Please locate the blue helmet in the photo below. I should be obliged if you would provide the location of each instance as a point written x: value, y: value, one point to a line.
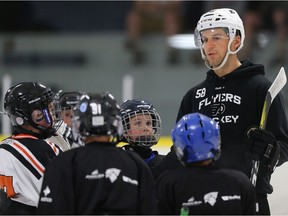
x: 196, y: 137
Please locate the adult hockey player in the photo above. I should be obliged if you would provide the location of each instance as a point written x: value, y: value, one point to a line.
x: 65, y: 137
x: 233, y: 94
x: 202, y: 188
x: 141, y: 129
x: 24, y: 155
x: 98, y: 178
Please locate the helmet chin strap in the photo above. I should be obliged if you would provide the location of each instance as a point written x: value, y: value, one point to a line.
x: 224, y: 60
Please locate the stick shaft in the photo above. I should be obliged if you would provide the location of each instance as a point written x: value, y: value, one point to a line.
x: 272, y: 92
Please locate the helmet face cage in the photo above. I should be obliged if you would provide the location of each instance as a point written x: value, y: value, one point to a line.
x: 31, y: 102
x: 196, y: 137
x: 220, y: 18
x: 141, y: 123
x: 96, y: 115
x: 68, y: 101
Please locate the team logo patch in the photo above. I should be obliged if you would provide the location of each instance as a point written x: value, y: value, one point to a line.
x: 46, y: 192
x: 112, y: 174
x: 211, y: 198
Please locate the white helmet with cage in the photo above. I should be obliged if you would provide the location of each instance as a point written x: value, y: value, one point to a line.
x: 220, y: 18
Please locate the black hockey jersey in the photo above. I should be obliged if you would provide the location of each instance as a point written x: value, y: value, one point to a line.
x: 23, y: 159
x: 205, y: 191
x: 151, y: 157
x: 98, y: 178
x: 235, y: 101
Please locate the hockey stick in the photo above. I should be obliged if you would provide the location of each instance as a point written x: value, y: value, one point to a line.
x: 274, y: 89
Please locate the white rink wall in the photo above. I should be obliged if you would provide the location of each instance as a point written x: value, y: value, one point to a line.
x: 278, y: 199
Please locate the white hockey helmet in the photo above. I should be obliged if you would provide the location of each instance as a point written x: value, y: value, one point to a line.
x: 217, y: 18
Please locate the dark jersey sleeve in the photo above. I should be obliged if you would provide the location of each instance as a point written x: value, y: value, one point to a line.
x: 56, y: 190
x: 185, y: 106
x: 248, y: 195
x: 170, y: 161
x: 147, y: 190
x: 165, y: 201
x: 277, y: 124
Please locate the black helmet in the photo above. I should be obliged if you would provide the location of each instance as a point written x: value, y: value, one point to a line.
x: 135, y: 108
x: 68, y: 100
x: 24, y: 98
x: 97, y: 114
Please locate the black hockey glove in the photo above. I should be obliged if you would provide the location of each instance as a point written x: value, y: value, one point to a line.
x: 261, y: 145
x: 5, y: 202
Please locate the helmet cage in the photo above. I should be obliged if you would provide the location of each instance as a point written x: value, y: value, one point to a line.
x: 143, y: 139
x: 134, y: 109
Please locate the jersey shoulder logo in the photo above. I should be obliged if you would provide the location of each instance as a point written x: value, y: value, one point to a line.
x: 46, y: 198
x: 211, y: 198
x: 95, y: 175
x: 112, y: 174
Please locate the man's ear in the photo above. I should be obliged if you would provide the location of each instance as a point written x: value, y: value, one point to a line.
x: 236, y: 43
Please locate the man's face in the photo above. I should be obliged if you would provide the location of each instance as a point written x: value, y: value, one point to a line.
x: 215, y: 45
x: 140, y: 126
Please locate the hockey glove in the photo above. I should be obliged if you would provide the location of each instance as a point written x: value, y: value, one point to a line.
x: 261, y: 145
x: 5, y: 202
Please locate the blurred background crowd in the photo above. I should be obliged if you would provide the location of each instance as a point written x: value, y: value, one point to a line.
x: 108, y: 45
